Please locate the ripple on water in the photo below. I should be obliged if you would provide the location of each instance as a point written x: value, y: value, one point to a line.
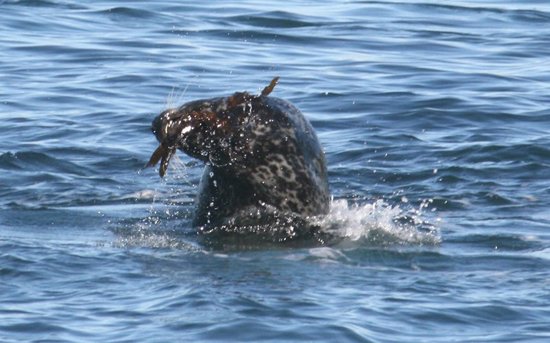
x: 427, y: 110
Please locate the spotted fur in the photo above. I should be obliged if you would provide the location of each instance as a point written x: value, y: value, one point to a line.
x: 260, y: 152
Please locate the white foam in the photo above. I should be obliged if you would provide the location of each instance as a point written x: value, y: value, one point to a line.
x: 542, y: 254
x: 143, y: 194
x: 327, y: 255
x: 378, y: 223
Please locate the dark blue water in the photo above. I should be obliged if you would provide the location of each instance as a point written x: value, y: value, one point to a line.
x: 435, y: 119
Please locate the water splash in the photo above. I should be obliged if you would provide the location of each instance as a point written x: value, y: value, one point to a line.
x: 167, y: 226
x: 376, y: 224
x: 145, y: 234
x: 379, y: 224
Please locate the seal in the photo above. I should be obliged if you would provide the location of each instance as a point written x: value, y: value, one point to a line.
x: 260, y: 153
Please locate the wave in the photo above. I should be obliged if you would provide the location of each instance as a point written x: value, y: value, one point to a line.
x: 274, y: 19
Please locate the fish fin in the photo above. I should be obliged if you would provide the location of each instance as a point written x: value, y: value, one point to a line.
x: 159, y: 153
x: 165, y: 160
x: 267, y: 90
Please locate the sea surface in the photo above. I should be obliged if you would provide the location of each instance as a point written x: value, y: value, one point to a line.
x: 435, y: 120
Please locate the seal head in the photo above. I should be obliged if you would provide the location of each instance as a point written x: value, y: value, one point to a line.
x: 260, y: 153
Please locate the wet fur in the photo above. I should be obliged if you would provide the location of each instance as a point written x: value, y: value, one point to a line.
x: 260, y: 153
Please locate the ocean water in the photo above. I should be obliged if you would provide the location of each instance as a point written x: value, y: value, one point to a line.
x: 435, y: 119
